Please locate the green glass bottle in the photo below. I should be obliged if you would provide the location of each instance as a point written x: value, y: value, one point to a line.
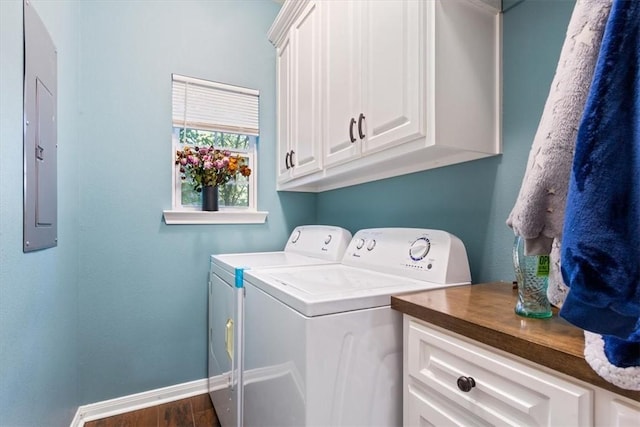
x: 532, y: 274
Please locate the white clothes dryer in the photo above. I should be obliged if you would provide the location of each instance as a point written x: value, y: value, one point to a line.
x: 307, y: 245
x: 323, y: 347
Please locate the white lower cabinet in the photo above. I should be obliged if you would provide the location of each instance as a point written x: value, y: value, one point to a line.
x: 616, y: 411
x: 450, y: 380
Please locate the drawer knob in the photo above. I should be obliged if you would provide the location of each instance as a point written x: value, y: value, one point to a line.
x: 466, y: 384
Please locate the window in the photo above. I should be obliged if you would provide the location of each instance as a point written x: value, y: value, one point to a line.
x: 239, y: 193
x: 225, y: 117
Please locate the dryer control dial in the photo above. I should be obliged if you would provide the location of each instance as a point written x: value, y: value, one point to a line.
x: 371, y: 245
x: 327, y: 240
x: 359, y: 243
x: 295, y: 236
x: 419, y: 248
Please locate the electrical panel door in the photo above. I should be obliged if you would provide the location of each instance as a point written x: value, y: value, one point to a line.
x: 40, y: 136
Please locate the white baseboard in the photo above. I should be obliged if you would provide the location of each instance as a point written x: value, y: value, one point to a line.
x: 120, y: 405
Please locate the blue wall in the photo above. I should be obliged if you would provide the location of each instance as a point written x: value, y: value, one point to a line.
x: 119, y: 306
x: 143, y: 284
x: 38, y: 291
x: 472, y: 200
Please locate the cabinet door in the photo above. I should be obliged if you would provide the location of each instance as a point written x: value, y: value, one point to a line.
x: 283, y: 70
x: 615, y: 410
x: 393, y: 75
x: 342, y: 83
x: 306, y: 133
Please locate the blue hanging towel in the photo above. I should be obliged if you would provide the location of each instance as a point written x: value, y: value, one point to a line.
x: 601, y: 236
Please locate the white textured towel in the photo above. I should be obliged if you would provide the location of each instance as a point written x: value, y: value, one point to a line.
x: 627, y: 378
x: 538, y: 213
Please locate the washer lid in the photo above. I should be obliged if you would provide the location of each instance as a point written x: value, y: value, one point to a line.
x: 335, y: 288
x: 255, y: 260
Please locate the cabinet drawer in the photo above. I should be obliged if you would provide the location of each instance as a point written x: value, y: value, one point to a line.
x: 506, y: 391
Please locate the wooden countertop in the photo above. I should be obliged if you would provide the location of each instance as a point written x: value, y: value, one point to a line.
x: 484, y: 313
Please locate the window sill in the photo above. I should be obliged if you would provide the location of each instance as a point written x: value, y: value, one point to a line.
x: 219, y: 217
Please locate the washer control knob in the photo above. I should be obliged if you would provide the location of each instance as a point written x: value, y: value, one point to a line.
x: 419, y: 249
x: 295, y: 236
x: 371, y: 245
x: 359, y: 243
x: 327, y: 240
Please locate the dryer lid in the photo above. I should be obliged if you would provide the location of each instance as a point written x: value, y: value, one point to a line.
x: 307, y: 245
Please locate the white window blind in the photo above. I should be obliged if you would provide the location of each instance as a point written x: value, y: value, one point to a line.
x: 205, y: 105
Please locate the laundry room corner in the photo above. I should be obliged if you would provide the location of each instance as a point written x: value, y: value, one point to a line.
x: 143, y: 284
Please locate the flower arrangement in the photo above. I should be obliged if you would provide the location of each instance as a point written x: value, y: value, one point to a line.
x: 208, y: 166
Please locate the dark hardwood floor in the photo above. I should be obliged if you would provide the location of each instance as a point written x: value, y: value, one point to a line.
x: 195, y: 411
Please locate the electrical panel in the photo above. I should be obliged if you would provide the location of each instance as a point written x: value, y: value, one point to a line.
x: 40, y: 135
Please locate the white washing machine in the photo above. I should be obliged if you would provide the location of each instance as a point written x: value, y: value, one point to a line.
x: 322, y: 345
x: 307, y: 245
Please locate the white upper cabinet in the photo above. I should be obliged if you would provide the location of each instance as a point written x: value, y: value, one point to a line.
x: 298, y: 65
x: 407, y: 84
x: 283, y: 58
x: 342, y: 80
x: 371, y: 64
x: 393, y: 61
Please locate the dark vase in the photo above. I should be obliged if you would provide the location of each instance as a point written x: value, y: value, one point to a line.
x: 210, y: 198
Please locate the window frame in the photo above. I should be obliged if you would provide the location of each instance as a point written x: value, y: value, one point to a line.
x: 186, y: 214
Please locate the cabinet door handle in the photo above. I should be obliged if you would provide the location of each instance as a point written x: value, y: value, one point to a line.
x: 286, y: 160
x: 353, y: 122
x: 291, y: 158
x: 466, y: 383
x: 360, y: 120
